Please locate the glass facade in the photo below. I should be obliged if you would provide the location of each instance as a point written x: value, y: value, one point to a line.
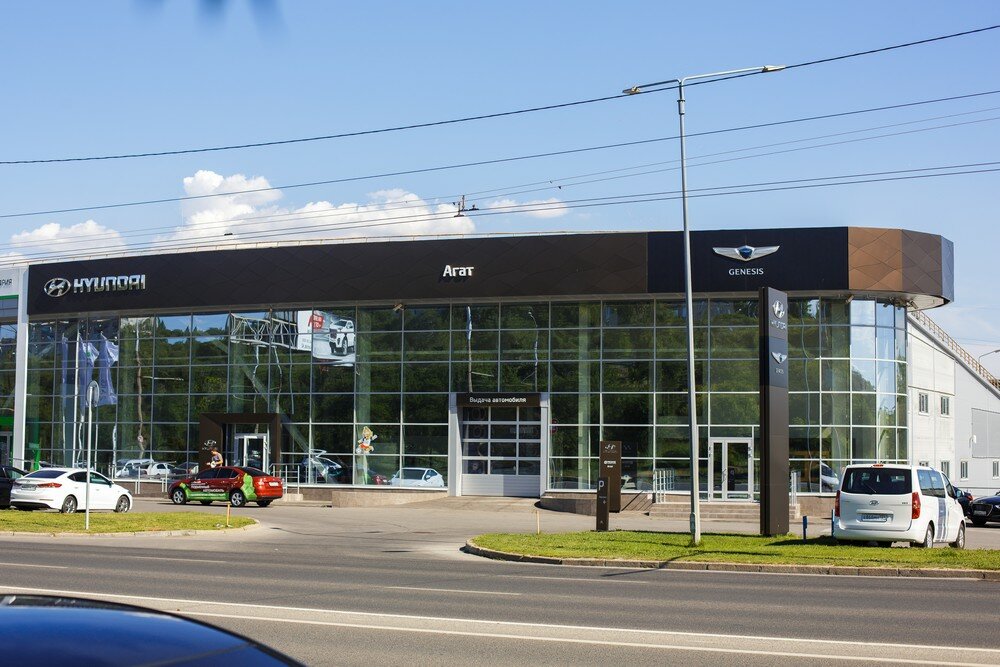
x: 612, y: 370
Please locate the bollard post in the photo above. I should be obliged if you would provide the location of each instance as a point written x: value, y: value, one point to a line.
x: 538, y: 522
x: 805, y: 528
x: 228, y: 508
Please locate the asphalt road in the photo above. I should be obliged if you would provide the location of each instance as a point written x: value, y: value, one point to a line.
x: 390, y: 585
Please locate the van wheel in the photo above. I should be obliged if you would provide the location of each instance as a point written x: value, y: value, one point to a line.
x: 959, y: 542
x: 928, y: 538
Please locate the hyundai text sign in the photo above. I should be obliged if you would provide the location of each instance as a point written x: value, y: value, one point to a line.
x: 57, y: 287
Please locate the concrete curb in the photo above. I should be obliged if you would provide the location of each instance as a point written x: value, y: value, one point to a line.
x: 146, y: 533
x: 988, y: 575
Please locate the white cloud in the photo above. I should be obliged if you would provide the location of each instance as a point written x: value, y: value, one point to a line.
x: 253, y: 215
x: 536, y: 208
x: 53, y: 239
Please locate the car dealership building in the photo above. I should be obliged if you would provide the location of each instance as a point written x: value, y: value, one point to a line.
x: 497, y: 363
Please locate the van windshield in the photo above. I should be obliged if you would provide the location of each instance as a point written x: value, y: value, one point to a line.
x: 878, y: 481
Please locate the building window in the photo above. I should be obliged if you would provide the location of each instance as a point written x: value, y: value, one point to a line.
x: 946, y: 468
x: 923, y: 403
x: 996, y: 470
x: 963, y: 470
x: 945, y: 405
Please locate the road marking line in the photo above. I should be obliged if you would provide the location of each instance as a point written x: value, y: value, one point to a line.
x: 187, y: 602
x: 598, y: 642
x: 182, y: 560
x: 447, y: 590
x: 49, y: 567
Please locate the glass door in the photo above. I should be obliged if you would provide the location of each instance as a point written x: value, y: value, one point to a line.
x: 730, y: 465
x: 252, y: 451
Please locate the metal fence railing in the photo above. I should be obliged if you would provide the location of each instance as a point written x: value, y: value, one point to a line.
x: 290, y: 474
x: 663, y: 481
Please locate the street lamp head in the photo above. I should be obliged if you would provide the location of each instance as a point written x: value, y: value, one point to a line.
x: 772, y: 68
x: 634, y: 90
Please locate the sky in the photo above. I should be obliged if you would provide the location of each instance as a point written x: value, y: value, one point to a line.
x: 139, y: 76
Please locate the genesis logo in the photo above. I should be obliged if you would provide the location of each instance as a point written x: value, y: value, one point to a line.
x: 779, y: 357
x: 779, y: 309
x: 746, y: 253
x: 57, y: 287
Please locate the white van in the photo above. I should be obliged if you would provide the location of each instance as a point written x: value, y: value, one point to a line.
x: 886, y: 503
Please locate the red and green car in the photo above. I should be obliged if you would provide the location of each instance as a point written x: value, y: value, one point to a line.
x: 238, y: 485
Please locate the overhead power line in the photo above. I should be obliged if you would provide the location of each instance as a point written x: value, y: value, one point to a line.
x: 480, y: 163
x: 466, y: 119
x: 175, y: 245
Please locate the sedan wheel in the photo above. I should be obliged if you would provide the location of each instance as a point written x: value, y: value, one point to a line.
x: 237, y: 499
x: 123, y: 505
x: 69, y: 505
x: 178, y: 497
x: 959, y: 542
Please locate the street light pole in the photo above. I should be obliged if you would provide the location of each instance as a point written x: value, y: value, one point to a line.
x: 695, y: 518
x: 986, y: 355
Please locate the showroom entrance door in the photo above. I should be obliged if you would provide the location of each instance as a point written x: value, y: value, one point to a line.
x: 251, y: 450
x: 500, y: 450
x: 730, y: 465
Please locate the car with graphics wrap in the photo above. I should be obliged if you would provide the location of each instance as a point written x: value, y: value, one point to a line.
x: 235, y: 484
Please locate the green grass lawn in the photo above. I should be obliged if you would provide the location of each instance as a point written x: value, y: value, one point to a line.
x: 105, y: 522
x: 730, y: 548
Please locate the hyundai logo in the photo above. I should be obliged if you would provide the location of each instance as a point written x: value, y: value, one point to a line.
x: 746, y: 253
x: 57, y: 287
x: 873, y: 502
x: 779, y: 309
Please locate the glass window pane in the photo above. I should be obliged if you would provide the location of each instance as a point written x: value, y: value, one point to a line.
x: 885, y: 315
x: 627, y: 408
x: 741, y: 343
x: 430, y: 345
x: 734, y: 376
x: 836, y: 408
x: 628, y: 314
x: 862, y: 375
x: 576, y: 344
x: 862, y: 312
x: 674, y: 313
x: 524, y: 344
x: 636, y: 440
x: 425, y: 377
x: 524, y: 315
x: 523, y: 376
x: 335, y: 408
x: 429, y: 318
x: 380, y: 319
x: 628, y: 343
x: 803, y: 409
x: 582, y: 376
x: 575, y: 315
x: 737, y: 311
x: 210, y: 324
x: 735, y: 409
x: 173, y: 325
x: 628, y: 376
x: 575, y: 408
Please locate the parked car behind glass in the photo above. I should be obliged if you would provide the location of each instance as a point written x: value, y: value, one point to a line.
x: 417, y: 477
